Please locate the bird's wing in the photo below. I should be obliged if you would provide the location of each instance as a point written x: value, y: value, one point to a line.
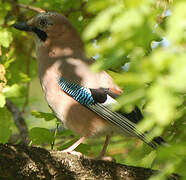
x: 99, y: 101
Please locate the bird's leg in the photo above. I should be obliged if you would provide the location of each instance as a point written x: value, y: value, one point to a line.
x: 70, y: 149
x: 103, y: 151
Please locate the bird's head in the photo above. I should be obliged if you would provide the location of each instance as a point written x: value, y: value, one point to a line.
x: 52, y: 28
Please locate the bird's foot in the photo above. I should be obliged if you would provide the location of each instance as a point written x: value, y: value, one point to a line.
x: 72, y: 152
x: 106, y: 158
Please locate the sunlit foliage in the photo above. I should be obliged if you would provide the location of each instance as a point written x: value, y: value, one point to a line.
x: 141, y: 43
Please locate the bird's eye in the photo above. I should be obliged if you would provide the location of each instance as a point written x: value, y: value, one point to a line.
x: 43, y: 22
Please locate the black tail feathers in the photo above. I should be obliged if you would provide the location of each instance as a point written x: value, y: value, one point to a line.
x: 136, y: 116
x: 160, y: 141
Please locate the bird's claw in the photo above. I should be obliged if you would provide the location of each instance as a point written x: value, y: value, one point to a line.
x: 79, y: 154
x: 105, y: 158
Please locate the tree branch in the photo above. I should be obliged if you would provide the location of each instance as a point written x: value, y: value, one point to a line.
x: 82, y: 9
x: 19, y: 162
x: 19, y: 121
x: 38, y: 10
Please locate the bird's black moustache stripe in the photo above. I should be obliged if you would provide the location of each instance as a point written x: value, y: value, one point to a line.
x: 41, y: 34
x: 24, y: 27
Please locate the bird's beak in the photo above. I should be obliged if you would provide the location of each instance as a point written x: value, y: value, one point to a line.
x: 23, y: 26
x: 27, y: 27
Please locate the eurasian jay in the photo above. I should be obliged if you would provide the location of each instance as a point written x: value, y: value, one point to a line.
x: 80, y: 98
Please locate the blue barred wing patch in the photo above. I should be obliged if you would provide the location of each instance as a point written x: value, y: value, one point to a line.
x: 77, y: 92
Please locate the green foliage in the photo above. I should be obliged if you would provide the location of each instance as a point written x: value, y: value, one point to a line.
x: 2, y: 100
x: 46, y: 116
x: 83, y: 148
x: 5, y: 38
x: 41, y: 136
x: 156, y: 78
x: 12, y: 91
x: 5, y: 125
x: 125, y: 32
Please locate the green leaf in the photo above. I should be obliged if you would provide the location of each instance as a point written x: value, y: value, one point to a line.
x: 162, y: 104
x: 5, y: 38
x: 177, y: 78
x: 66, y: 132
x: 83, y: 148
x: 45, y: 116
x: 177, y: 24
x: 41, y: 135
x: 97, y: 5
x: 24, y: 77
x: 2, y: 100
x: 5, y: 125
x: 124, y: 32
x: 12, y: 91
x: 101, y: 22
x: 125, y: 24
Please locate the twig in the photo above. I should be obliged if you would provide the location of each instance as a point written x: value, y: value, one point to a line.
x: 38, y: 10
x: 19, y: 121
x: 55, y: 134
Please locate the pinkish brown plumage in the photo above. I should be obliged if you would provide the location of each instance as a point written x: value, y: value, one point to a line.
x: 60, y: 53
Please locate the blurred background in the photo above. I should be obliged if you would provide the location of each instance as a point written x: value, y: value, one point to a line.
x: 142, y: 44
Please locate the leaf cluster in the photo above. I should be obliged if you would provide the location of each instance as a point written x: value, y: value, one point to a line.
x: 142, y: 44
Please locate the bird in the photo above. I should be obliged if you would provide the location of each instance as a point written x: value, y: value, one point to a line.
x: 80, y: 98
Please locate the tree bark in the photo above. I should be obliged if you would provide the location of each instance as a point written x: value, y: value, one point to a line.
x: 19, y: 162
x: 19, y: 122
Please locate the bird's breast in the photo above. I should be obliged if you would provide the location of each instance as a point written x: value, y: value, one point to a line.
x: 73, y: 115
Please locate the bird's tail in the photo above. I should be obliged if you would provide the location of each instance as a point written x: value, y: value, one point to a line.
x: 125, y: 122
x: 136, y: 116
